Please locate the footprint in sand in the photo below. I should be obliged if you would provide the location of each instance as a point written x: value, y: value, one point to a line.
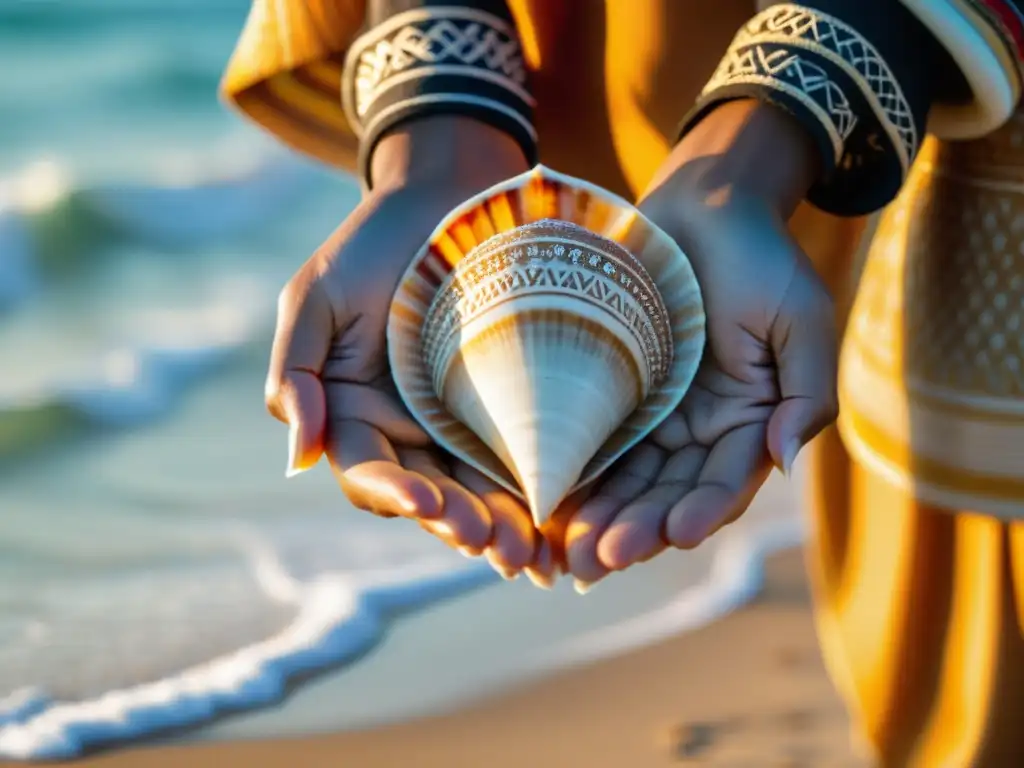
x: 791, y: 738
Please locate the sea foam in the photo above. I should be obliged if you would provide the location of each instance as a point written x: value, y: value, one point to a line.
x: 340, y: 617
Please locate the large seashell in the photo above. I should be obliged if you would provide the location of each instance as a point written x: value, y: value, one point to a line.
x: 545, y: 329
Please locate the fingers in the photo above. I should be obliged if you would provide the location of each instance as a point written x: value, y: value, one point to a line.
x: 378, y: 407
x: 555, y: 527
x: 542, y: 571
x: 467, y: 512
x: 735, y: 468
x: 368, y: 471
x: 302, y: 341
x: 481, y: 517
x: 636, y: 533
x: 465, y: 521
x: 805, y: 342
x: 634, y: 475
x: 651, y: 502
x: 514, y: 541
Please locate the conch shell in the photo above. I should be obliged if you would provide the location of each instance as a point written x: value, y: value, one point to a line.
x: 546, y: 328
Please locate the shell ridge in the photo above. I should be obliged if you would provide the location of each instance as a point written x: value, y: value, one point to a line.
x: 633, y: 245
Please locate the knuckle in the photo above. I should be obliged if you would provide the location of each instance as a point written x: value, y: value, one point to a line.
x: 272, y: 397
x: 824, y: 413
x: 306, y: 281
x: 291, y: 295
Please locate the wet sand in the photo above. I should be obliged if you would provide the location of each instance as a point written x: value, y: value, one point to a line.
x: 747, y: 691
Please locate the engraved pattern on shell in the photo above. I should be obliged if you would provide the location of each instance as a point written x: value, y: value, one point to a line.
x: 555, y: 258
x: 599, y: 224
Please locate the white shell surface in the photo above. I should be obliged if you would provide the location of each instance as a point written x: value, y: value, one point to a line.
x: 535, y: 196
x: 543, y: 392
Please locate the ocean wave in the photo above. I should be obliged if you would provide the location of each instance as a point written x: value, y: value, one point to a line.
x: 47, y: 17
x: 735, y: 578
x: 18, y: 275
x: 49, y: 223
x: 127, y: 243
x: 184, y: 82
x: 131, y: 387
x: 128, y: 386
x: 340, y: 616
x: 170, y: 350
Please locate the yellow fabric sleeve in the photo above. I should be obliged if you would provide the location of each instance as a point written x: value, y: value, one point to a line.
x: 285, y: 74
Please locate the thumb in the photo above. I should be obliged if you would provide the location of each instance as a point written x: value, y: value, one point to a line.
x: 805, y: 343
x: 294, y: 392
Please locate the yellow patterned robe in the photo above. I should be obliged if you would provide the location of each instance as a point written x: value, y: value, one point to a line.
x: 916, y: 554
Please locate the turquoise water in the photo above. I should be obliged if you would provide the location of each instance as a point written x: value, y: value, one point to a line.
x: 156, y: 569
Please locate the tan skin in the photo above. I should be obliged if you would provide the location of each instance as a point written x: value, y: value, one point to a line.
x: 766, y: 385
x: 329, y: 377
x: 765, y: 388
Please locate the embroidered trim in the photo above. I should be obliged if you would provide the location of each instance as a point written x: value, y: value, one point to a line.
x: 389, y: 112
x: 1009, y: 22
x: 431, y: 42
x: 759, y: 65
x: 805, y: 28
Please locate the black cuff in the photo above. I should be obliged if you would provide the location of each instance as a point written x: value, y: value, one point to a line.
x: 855, y: 73
x: 432, y: 58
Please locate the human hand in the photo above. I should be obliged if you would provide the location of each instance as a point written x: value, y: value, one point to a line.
x: 329, y: 378
x: 767, y: 381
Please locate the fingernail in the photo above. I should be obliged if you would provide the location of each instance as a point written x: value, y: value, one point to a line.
x: 441, y: 528
x: 582, y: 587
x: 407, y: 504
x: 293, y: 467
x: 508, y: 574
x: 293, y: 451
x: 789, y: 455
x: 539, y: 579
x: 467, y: 552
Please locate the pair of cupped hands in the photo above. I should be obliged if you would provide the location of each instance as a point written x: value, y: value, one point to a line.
x: 765, y: 387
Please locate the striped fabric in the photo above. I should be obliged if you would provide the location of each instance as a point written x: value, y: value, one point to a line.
x: 981, y: 37
x: 1008, y: 17
x: 285, y: 74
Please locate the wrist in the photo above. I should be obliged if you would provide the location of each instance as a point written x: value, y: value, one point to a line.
x: 743, y: 150
x: 449, y: 150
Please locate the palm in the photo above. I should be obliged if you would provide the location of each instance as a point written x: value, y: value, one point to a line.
x: 340, y: 385
x: 695, y: 473
x: 699, y: 470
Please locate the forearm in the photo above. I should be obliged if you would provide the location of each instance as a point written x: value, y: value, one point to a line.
x: 828, y: 100
x: 434, y: 86
x: 451, y: 148
x: 750, y: 148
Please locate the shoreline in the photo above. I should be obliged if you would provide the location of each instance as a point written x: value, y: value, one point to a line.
x: 518, y: 633
x: 749, y: 689
x: 457, y: 652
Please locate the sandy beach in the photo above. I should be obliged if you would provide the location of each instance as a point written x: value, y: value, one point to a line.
x: 158, y: 570
x: 749, y: 690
